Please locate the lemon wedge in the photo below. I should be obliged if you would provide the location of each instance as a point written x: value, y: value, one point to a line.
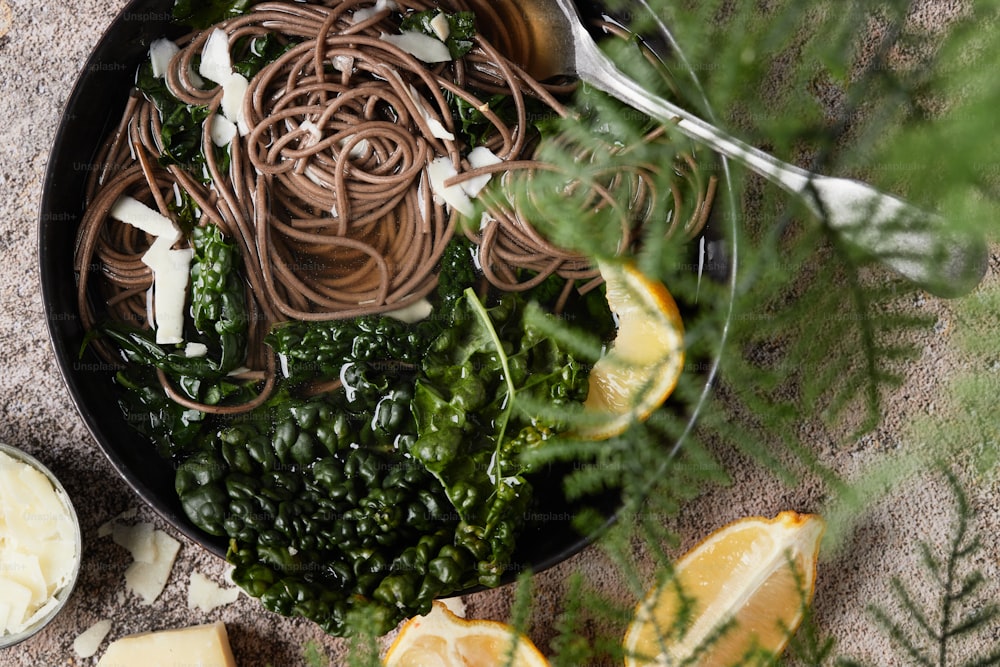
x: 643, y: 365
x: 753, y: 577
x: 442, y: 639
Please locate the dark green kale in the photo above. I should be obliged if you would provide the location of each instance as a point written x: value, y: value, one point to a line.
x: 321, y: 350
x: 461, y: 28
x: 220, y: 321
x: 469, y: 432
x: 258, y: 52
x: 458, y: 272
x: 323, y: 509
x: 172, y: 428
x: 475, y: 127
x: 218, y: 298
x: 200, y: 14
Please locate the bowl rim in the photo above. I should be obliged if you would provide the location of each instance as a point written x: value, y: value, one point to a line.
x: 64, y: 592
x: 59, y: 324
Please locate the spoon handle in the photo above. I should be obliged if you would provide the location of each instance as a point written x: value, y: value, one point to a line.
x: 922, y: 247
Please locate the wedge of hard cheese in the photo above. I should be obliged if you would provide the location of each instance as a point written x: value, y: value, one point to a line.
x: 198, y: 646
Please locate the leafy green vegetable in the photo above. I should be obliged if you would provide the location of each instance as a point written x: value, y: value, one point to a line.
x: 476, y: 128
x: 182, y: 123
x: 323, y: 509
x: 461, y: 28
x: 258, y: 52
x: 171, y: 427
x: 321, y: 350
x: 469, y: 432
x: 201, y: 14
x: 218, y: 298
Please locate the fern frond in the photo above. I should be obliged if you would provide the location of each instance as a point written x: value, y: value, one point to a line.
x: 931, y: 636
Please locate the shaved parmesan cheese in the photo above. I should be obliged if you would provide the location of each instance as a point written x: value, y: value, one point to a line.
x: 440, y: 170
x: 206, y: 595
x: 234, y: 90
x: 148, y: 579
x: 87, y: 642
x: 480, y: 156
x: 343, y: 64
x: 416, y: 311
x: 358, y: 150
x: 222, y: 130
x: 420, y: 46
x: 437, y: 129
x: 171, y: 269
x: 312, y: 129
x: 366, y: 13
x: 439, y: 24
x: 17, y: 599
x: 216, y: 64
x: 195, y: 350
x: 38, y: 545
x: 135, y: 213
x: 108, y: 527
x: 201, y: 646
x: 160, y: 53
x: 153, y: 554
x: 138, y: 539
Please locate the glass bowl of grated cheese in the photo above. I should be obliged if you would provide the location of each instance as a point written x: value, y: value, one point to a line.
x: 40, y: 546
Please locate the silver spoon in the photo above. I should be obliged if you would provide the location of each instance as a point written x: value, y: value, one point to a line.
x: 551, y: 40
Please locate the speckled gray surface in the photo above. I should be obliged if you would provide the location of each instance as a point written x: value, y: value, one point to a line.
x: 42, y: 49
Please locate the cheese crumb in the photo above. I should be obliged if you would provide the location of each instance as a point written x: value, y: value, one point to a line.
x: 480, y: 156
x: 148, y: 579
x: 153, y: 554
x: 206, y: 595
x: 87, y: 642
x: 216, y: 64
x: 420, y: 46
x: 415, y: 312
x: 440, y: 170
x: 439, y: 24
x: 160, y: 53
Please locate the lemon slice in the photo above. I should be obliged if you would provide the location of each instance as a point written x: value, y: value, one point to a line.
x: 442, y: 639
x: 754, y: 576
x: 641, y: 369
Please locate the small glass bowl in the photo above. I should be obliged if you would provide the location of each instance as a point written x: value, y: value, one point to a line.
x: 62, y: 594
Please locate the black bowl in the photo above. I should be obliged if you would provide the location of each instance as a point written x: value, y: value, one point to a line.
x: 93, y: 108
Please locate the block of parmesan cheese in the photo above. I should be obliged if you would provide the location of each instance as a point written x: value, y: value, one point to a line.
x: 197, y: 646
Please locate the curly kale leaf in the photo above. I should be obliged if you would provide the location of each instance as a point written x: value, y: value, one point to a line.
x: 218, y: 298
x: 258, y: 52
x: 469, y: 432
x: 323, y: 510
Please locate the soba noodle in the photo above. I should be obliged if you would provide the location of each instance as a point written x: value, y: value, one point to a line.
x: 326, y: 194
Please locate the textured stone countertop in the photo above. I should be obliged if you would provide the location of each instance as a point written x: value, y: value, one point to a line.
x: 43, y: 46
